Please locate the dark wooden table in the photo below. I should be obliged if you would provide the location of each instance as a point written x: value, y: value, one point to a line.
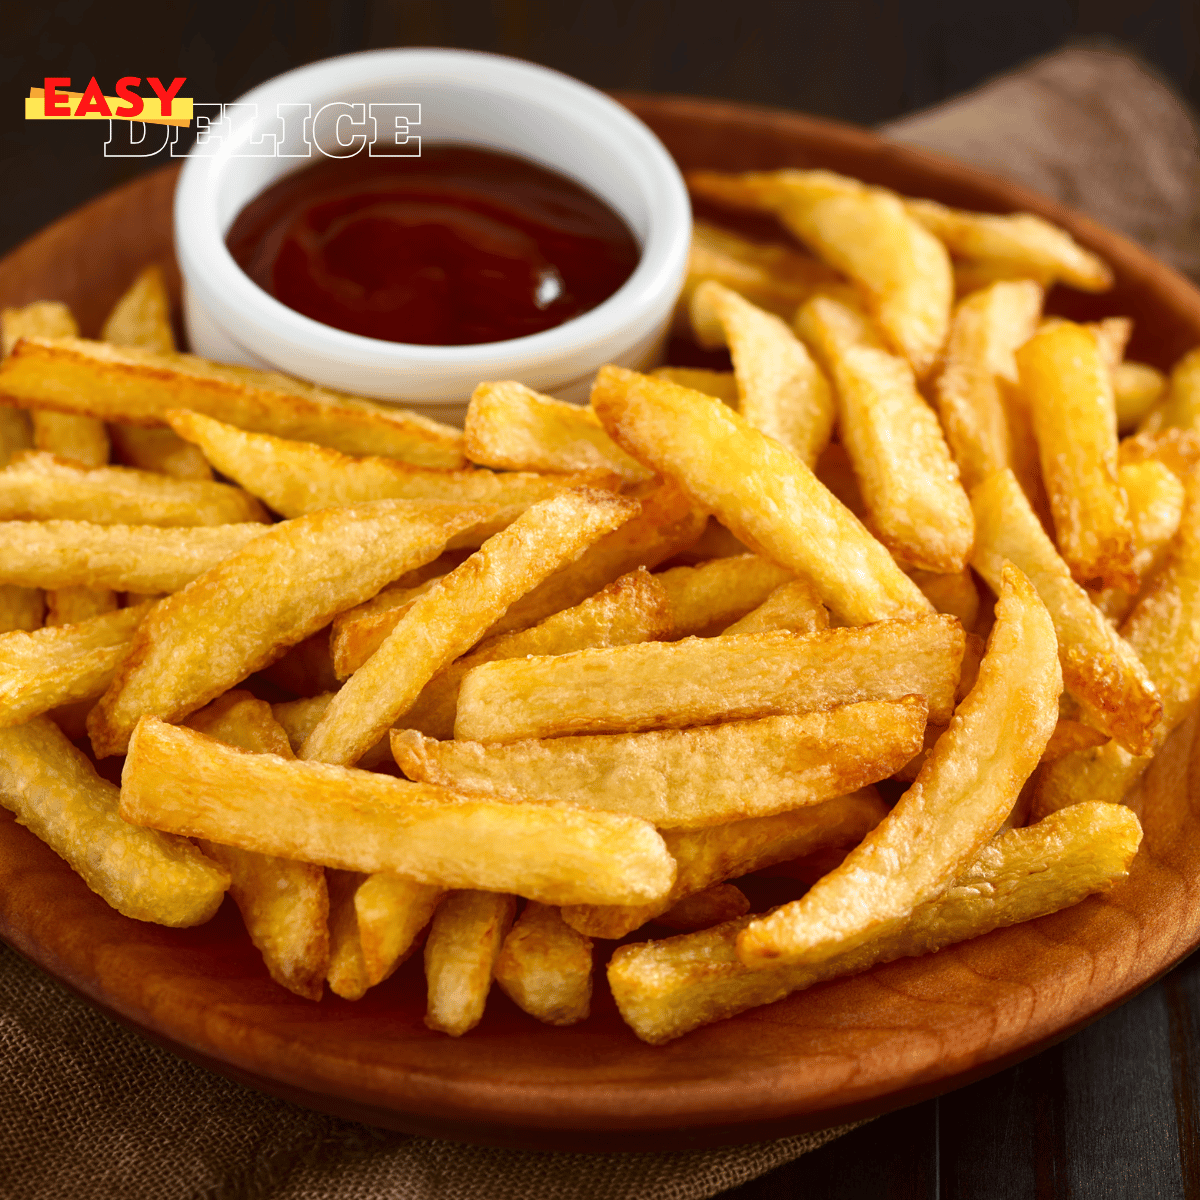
x: 1112, y: 1112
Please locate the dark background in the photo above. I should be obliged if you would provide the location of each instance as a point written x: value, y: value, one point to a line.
x: 1114, y: 1111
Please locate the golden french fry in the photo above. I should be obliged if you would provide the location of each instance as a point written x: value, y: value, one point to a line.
x: 715, y: 542
x: 966, y: 788
x: 299, y: 718
x: 294, y: 478
x: 666, y: 988
x: 1070, y: 736
x: 80, y: 439
x: 954, y: 594
x: 1180, y: 407
x: 360, y: 631
x: 1164, y: 631
x: 685, y: 777
x: 719, y: 852
x: 464, y: 943
x: 1069, y: 391
x: 794, y: 606
x: 42, y: 487
x: 20, y: 608
x: 781, y: 391
x: 1155, y: 496
x: 764, y: 494
x: 142, y: 316
x: 902, y: 269
x: 976, y: 274
x: 1022, y: 243
x: 659, y: 685
x: 241, y: 615
x: 545, y: 967
x: 184, y: 782
x: 139, y: 387
x: 346, y: 972
x: 1099, y: 668
x: 722, y: 384
x: 631, y: 609
x: 914, y: 502
x: 1178, y: 449
x: 513, y: 428
x: 55, y: 792
x: 713, y: 906
x: 987, y: 328
x: 712, y: 595
x: 131, y: 558
x: 240, y: 719
x: 1137, y: 387
x: 159, y: 450
x: 455, y: 613
x: 46, y: 668
x: 70, y: 605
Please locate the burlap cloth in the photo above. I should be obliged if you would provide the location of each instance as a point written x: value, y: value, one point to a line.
x: 90, y: 1110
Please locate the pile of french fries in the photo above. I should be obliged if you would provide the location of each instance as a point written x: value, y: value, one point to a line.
x: 887, y: 610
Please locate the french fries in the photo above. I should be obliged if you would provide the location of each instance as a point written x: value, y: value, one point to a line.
x: 713, y: 595
x: 224, y: 626
x: 54, y: 790
x: 780, y: 390
x: 464, y: 943
x: 139, y: 387
x: 966, y: 788
x: 295, y: 478
x: 722, y: 384
x: 183, y: 782
x: 685, y: 778
x: 702, y: 680
x: 752, y: 485
x: 545, y: 967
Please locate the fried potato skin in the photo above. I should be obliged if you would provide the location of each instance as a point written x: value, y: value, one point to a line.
x: 756, y: 489
x: 966, y: 788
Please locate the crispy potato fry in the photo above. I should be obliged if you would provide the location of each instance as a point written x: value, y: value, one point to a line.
x: 712, y: 595
x: 1177, y: 449
x: 759, y: 491
x: 903, y: 271
x: 358, y: 632
x: 772, y: 276
x: 346, y: 972
x: 719, y: 852
x: 142, y: 316
x: 781, y: 390
x: 1137, y: 387
x: 55, y: 792
x: 1180, y: 407
x: 1069, y: 391
x: 966, y: 788
x: 914, y: 502
x: 359, y: 821
x: 545, y: 967
x: 685, y: 778
x: 631, y: 609
x: 1028, y: 246
x: 1099, y: 668
x: 131, y: 558
x: 664, y: 989
x: 713, y: 906
x: 955, y: 594
x: 513, y: 428
x: 295, y: 478
x: 975, y: 274
x: 987, y: 328
x: 1155, y: 496
x: 42, y: 487
x: 794, y: 606
x: 20, y: 608
x: 698, y: 681
x: 226, y: 625
x: 299, y: 718
x: 69, y: 606
x: 80, y: 439
x: 160, y: 450
x: 454, y: 614
x: 284, y: 904
x: 50, y: 667
x: 464, y: 943
x: 1164, y: 631
x: 1069, y: 736
x: 722, y: 384
x: 668, y: 523
x: 139, y: 387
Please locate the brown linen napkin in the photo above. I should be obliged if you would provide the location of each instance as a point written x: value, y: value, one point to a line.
x: 88, y: 1109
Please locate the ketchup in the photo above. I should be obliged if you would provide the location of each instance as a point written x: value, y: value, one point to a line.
x: 455, y: 247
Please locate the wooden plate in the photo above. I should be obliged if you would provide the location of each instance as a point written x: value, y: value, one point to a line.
x: 844, y: 1050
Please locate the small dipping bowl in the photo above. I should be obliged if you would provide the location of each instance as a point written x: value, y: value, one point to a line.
x: 484, y: 100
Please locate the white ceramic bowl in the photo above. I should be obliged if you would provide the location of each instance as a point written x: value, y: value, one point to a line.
x: 482, y: 99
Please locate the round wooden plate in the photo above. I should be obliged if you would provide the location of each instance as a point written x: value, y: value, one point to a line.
x: 844, y: 1050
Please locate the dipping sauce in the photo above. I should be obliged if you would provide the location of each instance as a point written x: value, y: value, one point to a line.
x: 455, y: 247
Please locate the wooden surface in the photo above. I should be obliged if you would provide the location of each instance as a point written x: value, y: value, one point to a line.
x: 850, y: 1048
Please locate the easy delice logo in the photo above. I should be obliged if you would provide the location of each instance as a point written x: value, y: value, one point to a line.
x: 142, y: 126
